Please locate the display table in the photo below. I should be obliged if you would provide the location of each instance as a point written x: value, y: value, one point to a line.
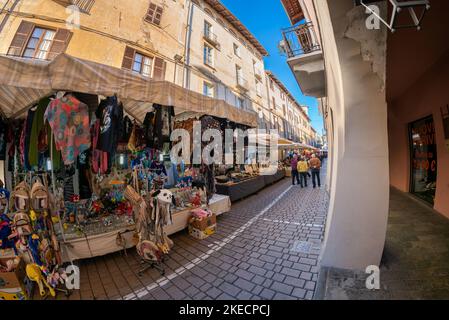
x: 270, y: 179
x: 105, y: 243
x: 240, y: 190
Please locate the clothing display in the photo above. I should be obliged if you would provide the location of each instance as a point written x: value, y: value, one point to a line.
x: 37, y: 130
x: 69, y: 120
x: 3, y: 140
x: 105, y: 181
x: 110, y: 113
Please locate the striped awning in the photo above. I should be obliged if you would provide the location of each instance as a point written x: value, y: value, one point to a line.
x: 23, y: 82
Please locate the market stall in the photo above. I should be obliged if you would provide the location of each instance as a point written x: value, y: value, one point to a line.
x: 87, y: 155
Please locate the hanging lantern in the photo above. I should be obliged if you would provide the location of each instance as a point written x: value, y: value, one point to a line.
x: 416, y: 8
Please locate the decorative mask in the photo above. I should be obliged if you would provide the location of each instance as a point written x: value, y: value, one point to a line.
x: 39, y: 197
x: 20, y: 198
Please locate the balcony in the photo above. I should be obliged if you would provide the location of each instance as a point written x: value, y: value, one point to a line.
x: 242, y: 84
x: 305, y: 57
x: 212, y: 39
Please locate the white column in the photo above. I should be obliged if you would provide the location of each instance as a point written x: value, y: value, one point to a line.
x: 359, y: 192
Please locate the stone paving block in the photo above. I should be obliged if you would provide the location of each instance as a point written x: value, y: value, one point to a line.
x: 281, y: 296
x: 282, y: 287
x: 214, y: 292
x: 256, y: 262
x: 310, y: 262
x: 299, y: 293
x: 244, y: 274
x: 291, y: 272
x: 230, y: 289
x: 306, y: 276
x: 257, y: 270
x: 296, y: 282
x: 244, y: 296
x: 258, y: 280
x: 267, y: 294
x: 244, y: 284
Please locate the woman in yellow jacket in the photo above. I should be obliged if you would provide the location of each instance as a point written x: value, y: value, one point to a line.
x: 303, y: 168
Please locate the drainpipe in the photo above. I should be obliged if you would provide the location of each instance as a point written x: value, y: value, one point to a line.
x: 188, y: 38
x: 8, y: 13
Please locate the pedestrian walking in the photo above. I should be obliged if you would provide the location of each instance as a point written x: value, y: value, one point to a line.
x: 303, y: 169
x: 295, y: 173
x: 315, y: 165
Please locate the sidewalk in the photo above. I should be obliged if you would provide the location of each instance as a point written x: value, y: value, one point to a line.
x: 415, y: 260
x: 265, y: 248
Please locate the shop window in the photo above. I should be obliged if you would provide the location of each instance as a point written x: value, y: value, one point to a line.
x: 208, y: 55
x: 423, y: 159
x: 31, y: 41
x: 143, y: 64
x: 154, y: 14
x: 208, y: 89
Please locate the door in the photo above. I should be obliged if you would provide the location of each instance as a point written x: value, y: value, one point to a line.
x: 423, y: 146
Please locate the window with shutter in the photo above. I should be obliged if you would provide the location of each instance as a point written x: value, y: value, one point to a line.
x: 159, y: 69
x: 21, y: 38
x: 84, y: 5
x: 60, y: 43
x: 128, y: 58
x: 154, y: 14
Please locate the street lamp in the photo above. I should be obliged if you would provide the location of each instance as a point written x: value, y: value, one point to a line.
x: 412, y: 6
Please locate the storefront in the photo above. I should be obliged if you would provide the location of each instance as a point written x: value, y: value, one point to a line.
x: 88, y: 166
x: 423, y: 179
x: 417, y: 80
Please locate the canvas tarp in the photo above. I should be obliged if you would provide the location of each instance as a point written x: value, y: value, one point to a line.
x: 24, y: 81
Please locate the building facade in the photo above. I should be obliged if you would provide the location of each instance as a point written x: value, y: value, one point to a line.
x: 208, y: 50
x: 383, y: 99
x: 285, y: 113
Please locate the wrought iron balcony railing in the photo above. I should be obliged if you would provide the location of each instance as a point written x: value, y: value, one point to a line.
x: 299, y: 40
x: 212, y: 38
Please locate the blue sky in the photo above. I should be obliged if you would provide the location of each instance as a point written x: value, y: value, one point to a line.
x: 265, y: 19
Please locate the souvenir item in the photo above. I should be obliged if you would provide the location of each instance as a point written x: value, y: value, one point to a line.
x: 34, y: 273
x: 4, y: 200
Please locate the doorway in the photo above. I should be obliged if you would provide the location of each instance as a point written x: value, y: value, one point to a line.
x: 423, y: 176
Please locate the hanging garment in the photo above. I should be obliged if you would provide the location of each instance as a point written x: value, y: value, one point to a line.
x: 14, y: 137
x: 3, y: 132
x: 110, y: 113
x: 36, y: 127
x: 83, y: 177
x: 163, y: 124
x: 99, y: 158
x: 127, y: 128
x: 57, y: 158
x: 28, y: 147
x: 69, y: 120
x: 148, y: 128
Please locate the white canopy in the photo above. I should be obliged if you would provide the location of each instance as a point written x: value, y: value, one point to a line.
x: 23, y: 82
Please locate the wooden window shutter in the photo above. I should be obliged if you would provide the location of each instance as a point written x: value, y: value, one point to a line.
x: 20, y: 39
x: 154, y: 14
x: 159, y: 69
x: 128, y: 58
x: 60, y: 43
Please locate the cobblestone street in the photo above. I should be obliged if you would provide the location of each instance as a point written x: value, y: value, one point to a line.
x: 265, y: 248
